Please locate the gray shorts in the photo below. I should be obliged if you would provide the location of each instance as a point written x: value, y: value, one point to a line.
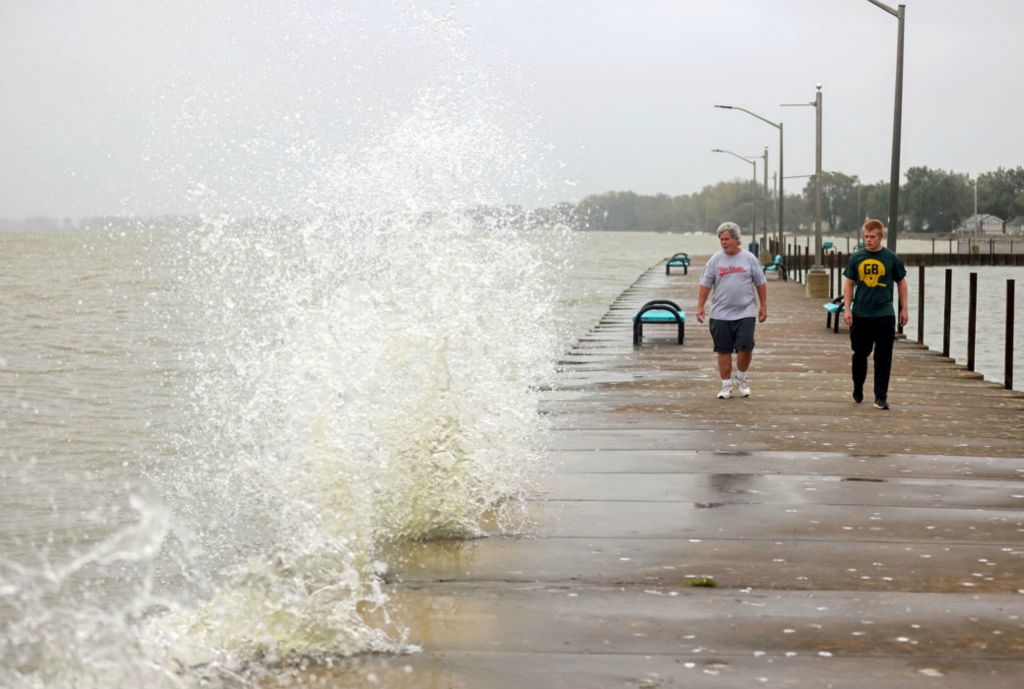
x: 733, y: 336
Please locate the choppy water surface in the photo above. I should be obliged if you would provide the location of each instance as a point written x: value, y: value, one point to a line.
x: 209, y: 432
x: 990, y: 338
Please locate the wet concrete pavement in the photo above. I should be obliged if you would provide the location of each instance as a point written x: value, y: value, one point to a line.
x: 850, y: 547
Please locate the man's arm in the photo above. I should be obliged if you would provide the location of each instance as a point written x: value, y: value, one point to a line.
x: 702, y: 296
x: 904, y: 300
x: 847, y: 299
x: 762, y: 313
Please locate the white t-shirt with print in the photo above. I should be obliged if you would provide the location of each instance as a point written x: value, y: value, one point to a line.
x: 732, y: 280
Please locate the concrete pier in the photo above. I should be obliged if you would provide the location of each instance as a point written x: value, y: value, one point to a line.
x: 848, y: 546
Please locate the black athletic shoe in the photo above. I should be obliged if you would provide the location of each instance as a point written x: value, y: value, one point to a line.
x: 858, y: 396
x: 881, y: 403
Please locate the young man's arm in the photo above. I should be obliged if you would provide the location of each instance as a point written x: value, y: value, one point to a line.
x: 847, y: 299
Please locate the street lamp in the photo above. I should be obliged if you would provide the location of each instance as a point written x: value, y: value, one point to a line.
x: 777, y: 125
x: 816, y: 104
x: 977, y: 218
x: 897, y: 121
x: 753, y: 197
x: 764, y: 208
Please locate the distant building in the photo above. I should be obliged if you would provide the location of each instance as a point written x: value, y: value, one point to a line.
x: 981, y: 224
x: 1015, y: 226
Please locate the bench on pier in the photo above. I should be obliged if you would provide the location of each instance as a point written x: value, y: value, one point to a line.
x: 833, y: 310
x: 658, y: 312
x: 828, y: 246
x: 776, y: 266
x: 680, y: 260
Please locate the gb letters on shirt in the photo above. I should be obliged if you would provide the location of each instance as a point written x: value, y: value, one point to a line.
x: 871, y: 271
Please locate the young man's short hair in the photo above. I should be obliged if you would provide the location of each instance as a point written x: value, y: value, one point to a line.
x: 874, y: 226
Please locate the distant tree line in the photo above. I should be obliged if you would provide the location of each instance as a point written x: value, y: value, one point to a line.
x: 111, y: 223
x: 37, y: 222
x: 931, y: 200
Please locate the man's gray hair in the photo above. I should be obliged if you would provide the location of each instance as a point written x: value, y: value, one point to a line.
x: 732, y: 228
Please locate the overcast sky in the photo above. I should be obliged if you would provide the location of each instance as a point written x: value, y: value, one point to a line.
x: 117, y: 106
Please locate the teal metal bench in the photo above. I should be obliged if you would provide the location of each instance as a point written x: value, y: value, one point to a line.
x: 776, y: 266
x: 833, y: 310
x: 658, y: 312
x: 680, y: 260
x: 826, y: 246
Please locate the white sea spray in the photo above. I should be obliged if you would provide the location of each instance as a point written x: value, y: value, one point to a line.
x: 359, y: 366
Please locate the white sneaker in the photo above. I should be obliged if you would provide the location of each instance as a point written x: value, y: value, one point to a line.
x: 744, y: 387
x: 726, y: 391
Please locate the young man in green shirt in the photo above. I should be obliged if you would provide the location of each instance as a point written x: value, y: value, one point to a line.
x: 868, y: 310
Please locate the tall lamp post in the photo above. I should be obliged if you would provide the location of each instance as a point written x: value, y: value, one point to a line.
x: 777, y: 125
x: 977, y: 218
x: 775, y: 187
x: 753, y: 197
x: 897, y: 120
x: 816, y: 104
x: 764, y: 208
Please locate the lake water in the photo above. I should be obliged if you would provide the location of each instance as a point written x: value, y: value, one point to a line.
x: 990, y: 337
x: 208, y: 434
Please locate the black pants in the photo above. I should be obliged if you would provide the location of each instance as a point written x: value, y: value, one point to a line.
x: 867, y: 334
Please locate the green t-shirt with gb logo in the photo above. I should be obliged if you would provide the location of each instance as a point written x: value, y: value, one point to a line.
x: 874, y: 275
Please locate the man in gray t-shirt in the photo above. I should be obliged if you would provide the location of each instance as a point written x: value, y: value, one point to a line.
x: 732, y: 276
